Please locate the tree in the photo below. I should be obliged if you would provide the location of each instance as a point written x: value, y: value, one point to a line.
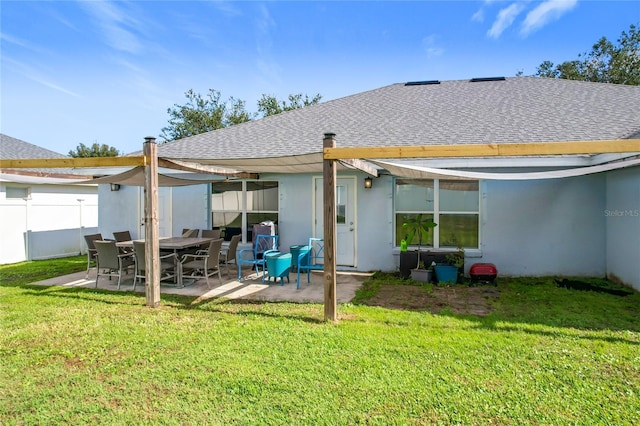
x: 269, y: 105
x: 605, y: 63
x: 203, y: 114
x: 95, y: 150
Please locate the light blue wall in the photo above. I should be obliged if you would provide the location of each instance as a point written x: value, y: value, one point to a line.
x: 118, y: 210
x: 123, y: 210
x: 531, y: 228
x: 190, y: 208
x: 375, y: 248
x: 374, y: 213
x: 544, y: 227
x: 296, y: 208
x: 622, y: 221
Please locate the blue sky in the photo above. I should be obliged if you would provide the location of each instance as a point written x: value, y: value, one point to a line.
x: 90, y: 71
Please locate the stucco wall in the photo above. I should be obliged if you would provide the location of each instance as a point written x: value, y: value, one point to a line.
x: 118, y: 210
x: 373, y: 212
x: 295, y: 208
x: 375, y: 225
x: 190, y: 208
x: 179, y: 207
x: 622, y: 223
x: 544, y: 227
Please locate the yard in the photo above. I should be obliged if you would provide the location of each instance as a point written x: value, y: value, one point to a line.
x: 525, y: 352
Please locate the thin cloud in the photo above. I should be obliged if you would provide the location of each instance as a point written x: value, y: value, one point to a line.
x: 227, y: 7
x: 478, y: 16
x: 546, y: 12
x: 431, y: 47
x: 115, y: 24
x: 268, y: 67
x: 505, y: 19
x: 53, y: 86
x: 32, y: 74
x: 21, y: 43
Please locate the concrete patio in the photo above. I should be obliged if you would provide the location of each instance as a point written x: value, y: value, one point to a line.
x: 250, y: 288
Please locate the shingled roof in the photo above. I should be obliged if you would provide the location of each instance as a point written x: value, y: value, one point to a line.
x: 518, y: 109
x: 12, y: 149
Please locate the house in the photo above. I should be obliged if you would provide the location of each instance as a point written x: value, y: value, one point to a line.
x: 43, y: 213
x: 567, y: 215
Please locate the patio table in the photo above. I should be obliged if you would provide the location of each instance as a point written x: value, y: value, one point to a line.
x: 174, y: 244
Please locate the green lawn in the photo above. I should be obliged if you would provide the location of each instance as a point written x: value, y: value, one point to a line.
x: 546, y: 355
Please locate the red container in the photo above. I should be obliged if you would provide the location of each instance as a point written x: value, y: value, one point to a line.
x: 483, y: 272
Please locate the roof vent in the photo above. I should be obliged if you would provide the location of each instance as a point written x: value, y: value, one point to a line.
x: 477, y: 80
x: 422, y: 83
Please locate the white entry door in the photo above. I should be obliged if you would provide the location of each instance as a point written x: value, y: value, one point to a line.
x: 164, y: 212
x: 345, y: 219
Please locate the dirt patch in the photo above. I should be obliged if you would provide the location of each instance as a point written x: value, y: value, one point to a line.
x: 456, y: 299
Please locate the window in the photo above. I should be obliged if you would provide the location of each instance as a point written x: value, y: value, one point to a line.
x: 238, y: 205
x: 226, y: 204
x: 18, y: 192
x: 453, y: 204
x: 262, y: 202
x: 341, y: 205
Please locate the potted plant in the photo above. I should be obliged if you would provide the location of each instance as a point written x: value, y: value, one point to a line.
x: 422, y: 274
x: 419, y: 226
x: 447, y: 273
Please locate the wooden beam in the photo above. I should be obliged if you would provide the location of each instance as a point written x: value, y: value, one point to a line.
x: 329, y: 197
x: 56, y: 163
x: 48, y: 174
x: 361, y: 165
x: 191, y: 167
x: 151, y: 225
x: 486, y: 150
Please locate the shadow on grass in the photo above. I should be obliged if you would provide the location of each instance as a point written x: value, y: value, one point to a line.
x: 221, y: 305
x: 519, y: 304
x: 529, y: 301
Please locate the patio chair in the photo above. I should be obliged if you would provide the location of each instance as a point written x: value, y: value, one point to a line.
x: 121, y: 237
x: 229, y: 256
x: 209, y: 233
x: 311, y: 258
x: 264, y: 244
x: 91, y: 249
x: 204, y: 263
x: 110, y: 262
x: 190, y: 233
x: 170, y: 266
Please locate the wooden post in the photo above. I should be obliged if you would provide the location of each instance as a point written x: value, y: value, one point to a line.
x: 151, y: 227
x: 329, y: 196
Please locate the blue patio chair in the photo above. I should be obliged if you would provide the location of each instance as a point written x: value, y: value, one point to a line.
x: 264, y: 244
x: 311, y: 258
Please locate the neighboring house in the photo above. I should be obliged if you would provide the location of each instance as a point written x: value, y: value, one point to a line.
x: 42, y: 213
x: 578, y: 215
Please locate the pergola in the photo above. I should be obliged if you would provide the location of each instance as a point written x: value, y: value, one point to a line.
x: 331, y: 156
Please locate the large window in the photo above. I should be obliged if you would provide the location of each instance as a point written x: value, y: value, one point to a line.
x: 236, y: 206
x: 452, y: 204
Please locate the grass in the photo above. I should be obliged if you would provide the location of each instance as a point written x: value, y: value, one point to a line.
x: 545, y: 355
